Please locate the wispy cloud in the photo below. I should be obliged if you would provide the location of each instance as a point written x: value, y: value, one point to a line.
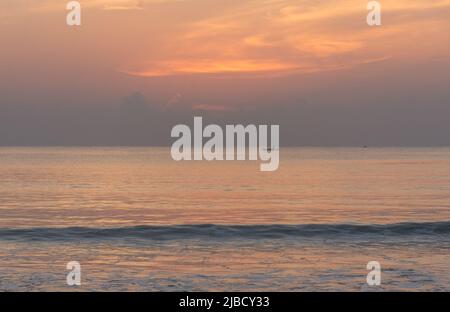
x: 281, y: 36
x: 27, y: 6
x: 212, y: 66
x: 184, y: 37
x: 213, y: 108
x: 124, y: 6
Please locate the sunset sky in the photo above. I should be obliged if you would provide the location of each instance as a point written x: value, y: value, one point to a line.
x: 134, y: 68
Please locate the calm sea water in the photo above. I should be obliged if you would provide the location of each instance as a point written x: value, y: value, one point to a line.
x: 136, y: 220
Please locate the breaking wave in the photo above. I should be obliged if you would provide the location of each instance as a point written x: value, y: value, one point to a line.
x: 211, y: 231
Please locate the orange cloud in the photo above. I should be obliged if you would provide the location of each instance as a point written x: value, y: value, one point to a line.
x: 213, y: 108
x: 281, y: 36
x: 182, y: 67
x: 260, y: 37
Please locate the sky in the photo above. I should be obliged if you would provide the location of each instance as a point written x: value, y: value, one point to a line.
x: 136, y: 68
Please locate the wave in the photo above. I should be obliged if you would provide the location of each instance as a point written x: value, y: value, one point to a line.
x: 212, y: 231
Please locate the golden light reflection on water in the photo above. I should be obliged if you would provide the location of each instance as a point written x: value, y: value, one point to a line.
x: 134, y: 186
x: 118, y: 187
x: 194, y: 266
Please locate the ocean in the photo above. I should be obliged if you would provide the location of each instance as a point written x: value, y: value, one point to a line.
x: 136, y: 220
